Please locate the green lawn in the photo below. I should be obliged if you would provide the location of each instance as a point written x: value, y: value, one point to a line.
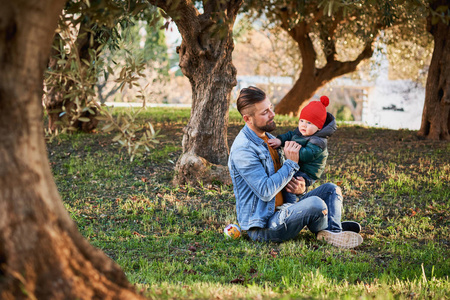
x: 169, y: 239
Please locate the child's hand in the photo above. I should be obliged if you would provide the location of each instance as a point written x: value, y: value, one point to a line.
x: 274, y: 143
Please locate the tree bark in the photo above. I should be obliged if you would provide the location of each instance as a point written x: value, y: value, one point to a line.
x: 42, y: 255
x: 206, y: 59
x: 312, y: 78
x: 436, y: 111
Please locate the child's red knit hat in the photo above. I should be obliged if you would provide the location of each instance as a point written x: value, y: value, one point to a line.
x: 316, y: 112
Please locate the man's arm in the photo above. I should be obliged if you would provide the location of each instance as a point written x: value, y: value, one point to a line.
x: 296, y: 186
x: 249, y: 166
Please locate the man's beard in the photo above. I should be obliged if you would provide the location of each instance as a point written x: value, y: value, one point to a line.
x: 268, y: 127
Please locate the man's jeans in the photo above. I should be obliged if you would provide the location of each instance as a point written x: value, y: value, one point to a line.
x: 319, y: 209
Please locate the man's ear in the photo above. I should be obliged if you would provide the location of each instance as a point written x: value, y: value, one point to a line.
x: 246, y: 118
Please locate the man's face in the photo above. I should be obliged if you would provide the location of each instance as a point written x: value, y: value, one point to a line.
x: 262, y: 118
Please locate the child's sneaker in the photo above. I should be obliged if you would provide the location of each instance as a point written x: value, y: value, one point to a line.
x: 343, y: 239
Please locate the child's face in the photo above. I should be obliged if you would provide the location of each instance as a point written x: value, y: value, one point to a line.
x: 307, y: 128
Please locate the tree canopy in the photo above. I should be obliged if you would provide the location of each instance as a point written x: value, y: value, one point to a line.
x: 327, y: 34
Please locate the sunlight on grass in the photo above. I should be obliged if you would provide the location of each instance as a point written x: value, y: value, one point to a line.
x: 169, y: 239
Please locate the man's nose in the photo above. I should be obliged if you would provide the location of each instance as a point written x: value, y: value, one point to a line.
x: 271, y: 113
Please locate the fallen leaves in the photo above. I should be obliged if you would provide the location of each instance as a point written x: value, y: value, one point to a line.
x: 139, y: 235
x: 239, y: 280
x: 253, y: 273
x: 413, y: 212
x: 273, y: 253
x: 190, y: 272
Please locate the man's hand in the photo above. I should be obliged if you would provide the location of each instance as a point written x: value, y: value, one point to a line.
x: 291, y: 149
x: 296, y: 186
x: 274, y: 143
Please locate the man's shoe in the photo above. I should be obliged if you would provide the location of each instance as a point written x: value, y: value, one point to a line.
x: 343, y: 239
x: 351, y: 226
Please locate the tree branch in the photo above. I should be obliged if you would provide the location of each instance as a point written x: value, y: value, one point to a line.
x: 316, y: 17
x: 337, y: 68
x: 186, y: 17
x: 328, y: 37
x: 300, y: 33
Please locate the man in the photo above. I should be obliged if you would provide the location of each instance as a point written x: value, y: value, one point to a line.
x: 260, y: 179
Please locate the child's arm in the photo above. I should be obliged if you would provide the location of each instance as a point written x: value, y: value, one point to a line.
x: 274, y: 143
x: 285, y: 137
x: 309, y: 152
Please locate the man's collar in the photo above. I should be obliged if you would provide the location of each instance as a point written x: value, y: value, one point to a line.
x: 253, y: 136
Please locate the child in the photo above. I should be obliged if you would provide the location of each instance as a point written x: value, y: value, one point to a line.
x: 314, y: 127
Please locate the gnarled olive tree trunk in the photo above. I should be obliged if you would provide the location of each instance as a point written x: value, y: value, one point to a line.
x: 205, y: 58
x: 436, y: 111
x: 311, y: 77
x: 42, y: 255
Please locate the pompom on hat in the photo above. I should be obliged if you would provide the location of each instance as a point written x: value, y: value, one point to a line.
x: 316, y: 112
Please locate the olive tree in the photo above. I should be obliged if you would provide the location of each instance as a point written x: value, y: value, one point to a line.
x: 85, y: 30
x: 323, y: 32
x: 42, y: 254
x: 436, y: 112
x: 205, y: 58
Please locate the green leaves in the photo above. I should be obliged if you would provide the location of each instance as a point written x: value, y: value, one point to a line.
x: 71, y: 77
x: 441, y: 14
x: 131, y: 72
x: 128, y: 127
x: 329, y: 6
x: 84, y: 51
x: 83, y: 119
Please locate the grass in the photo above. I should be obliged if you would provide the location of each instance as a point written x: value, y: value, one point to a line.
x: 169, y: 239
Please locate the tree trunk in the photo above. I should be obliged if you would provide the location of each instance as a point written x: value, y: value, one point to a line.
x: 42, y: 255
x: 54, y: 100
x: 436, y: 111
x: 312, y: 78
x: 206, y: 59
x: 310, y: 81
x: 303, y: 89
x: 205, y: 146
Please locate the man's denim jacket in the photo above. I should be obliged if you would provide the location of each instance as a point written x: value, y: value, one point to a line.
x: 254, y: 179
